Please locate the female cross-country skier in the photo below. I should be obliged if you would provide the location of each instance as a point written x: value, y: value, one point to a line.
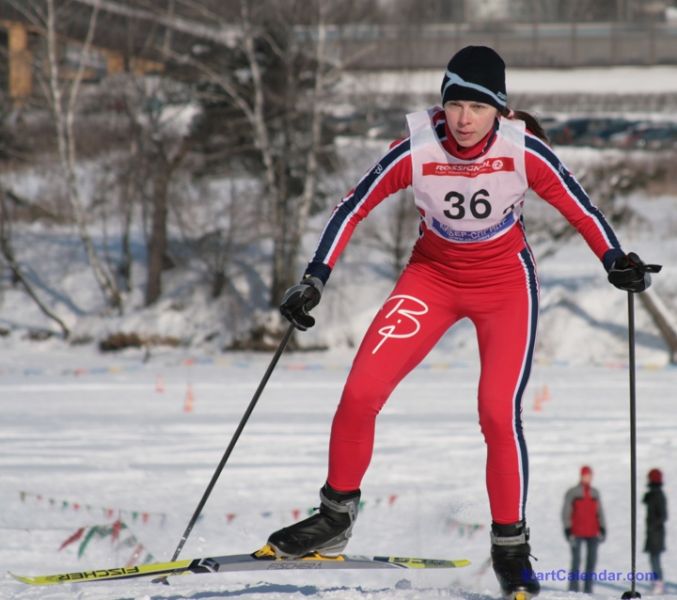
x: 470, y: 164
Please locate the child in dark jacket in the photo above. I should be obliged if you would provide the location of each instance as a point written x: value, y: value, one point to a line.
x: 656, y: 516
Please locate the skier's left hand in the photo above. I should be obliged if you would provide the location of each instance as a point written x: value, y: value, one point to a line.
x: 602, y: 535
x: 630, y: 274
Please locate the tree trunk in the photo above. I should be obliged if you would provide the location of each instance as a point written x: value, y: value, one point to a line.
x: 218, y: 283
x: 282, y: 271
x: 662, y: 319
x: 157, y: 245
x: 126, y: 203
x: 124, y: 268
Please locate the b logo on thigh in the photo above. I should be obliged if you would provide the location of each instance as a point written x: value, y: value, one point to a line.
x: 401, y: 321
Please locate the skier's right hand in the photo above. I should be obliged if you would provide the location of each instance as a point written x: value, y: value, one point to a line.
x: 299, y: 299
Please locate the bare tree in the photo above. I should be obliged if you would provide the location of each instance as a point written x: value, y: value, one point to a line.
x: 7, y: 251
x: 63, y: 106
x: 160, y: 114
x: 165, y: 166
x: 276, y: 81
x: 291, y: 171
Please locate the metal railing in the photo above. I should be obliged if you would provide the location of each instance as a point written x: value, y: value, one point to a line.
x: 521, y: 44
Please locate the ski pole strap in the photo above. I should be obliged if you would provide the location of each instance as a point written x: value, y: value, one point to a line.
x: 651, y: 268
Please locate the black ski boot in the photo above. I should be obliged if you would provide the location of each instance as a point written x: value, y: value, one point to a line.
x: 326, y: 532
x: 510, y: 558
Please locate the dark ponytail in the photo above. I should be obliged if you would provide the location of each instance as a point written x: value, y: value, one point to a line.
x: 532, y: 122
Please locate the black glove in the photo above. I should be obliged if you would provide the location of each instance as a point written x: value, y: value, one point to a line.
x: 299, y: 299
x: 567, y: 533
x: 602, y: 534
x: 630, y: 274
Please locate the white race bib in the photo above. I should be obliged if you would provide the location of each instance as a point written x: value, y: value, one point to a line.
x: 468, y: 200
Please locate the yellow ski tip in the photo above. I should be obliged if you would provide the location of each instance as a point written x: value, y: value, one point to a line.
x: 24, y: 579
x: 520, y: 595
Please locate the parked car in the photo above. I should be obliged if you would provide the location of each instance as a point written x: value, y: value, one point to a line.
x: 647, y: 136
x: 588, y: 131
x: 567, y: 132
x: 601, y: 132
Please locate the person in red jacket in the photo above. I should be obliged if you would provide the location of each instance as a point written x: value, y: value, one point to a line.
x: 583, y: 521
x: 470, y: 163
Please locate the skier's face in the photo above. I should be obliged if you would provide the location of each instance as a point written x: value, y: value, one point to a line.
x: 469, y: 121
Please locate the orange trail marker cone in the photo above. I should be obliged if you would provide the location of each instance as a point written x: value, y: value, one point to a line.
x: 189, y: 401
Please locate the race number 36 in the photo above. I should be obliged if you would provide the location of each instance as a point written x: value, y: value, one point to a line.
x: 479, y: 205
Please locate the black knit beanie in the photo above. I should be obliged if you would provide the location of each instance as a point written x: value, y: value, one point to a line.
x: 475, y: 73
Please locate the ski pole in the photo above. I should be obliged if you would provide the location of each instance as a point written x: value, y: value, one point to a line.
x: 632, y: 593
x: 231, y: 445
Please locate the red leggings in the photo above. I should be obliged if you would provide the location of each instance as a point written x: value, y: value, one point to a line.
x: 428, y: 299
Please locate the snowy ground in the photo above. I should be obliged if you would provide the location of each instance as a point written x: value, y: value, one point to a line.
x: 81, y: 435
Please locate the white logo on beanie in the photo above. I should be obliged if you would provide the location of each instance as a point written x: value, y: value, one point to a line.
x: 456, y: 79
